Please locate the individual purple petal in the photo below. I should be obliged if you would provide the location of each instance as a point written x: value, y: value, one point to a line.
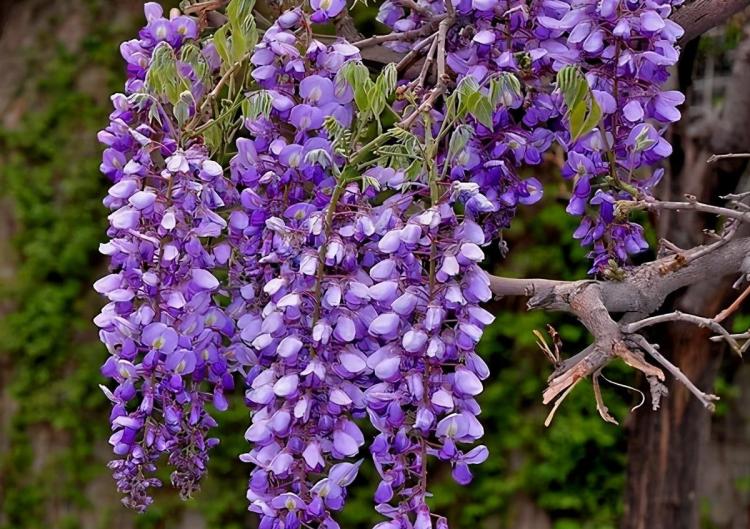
x: 286, y: 385
x: 288, y: 347
x: 633, y: 111
x: 345, y: 443
x: 385, y: 324
x: 204, y: 279
x: 467, y: 382
x: 345, y: 330
x: 651, y: 21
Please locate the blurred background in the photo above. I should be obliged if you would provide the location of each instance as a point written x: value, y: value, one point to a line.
x: 59, y: 62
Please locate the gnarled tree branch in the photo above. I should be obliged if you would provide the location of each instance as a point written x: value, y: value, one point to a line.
x: 640, y: 293
x: 699, y: 16
x: 643, y: 289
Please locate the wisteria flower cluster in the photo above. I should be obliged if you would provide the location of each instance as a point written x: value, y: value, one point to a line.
x: 284, y: 221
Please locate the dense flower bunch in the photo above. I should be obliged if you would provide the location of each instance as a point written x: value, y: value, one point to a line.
x: 162, y: 326
x: 336, y: 272
x: 624, y: 47
x: 302, y: 389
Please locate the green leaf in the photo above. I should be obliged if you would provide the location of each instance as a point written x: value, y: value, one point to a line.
x: 572, y: 84
x: 591, y: 121
x: 257, y: 104
x: 387, y: 79
x: 191, y: 54
x: 415, y: 169
x: 504, y: 89
x: 213, y: 136
x: 468, y: 96
x: 365, y: 90
x: 239, y: 35
x: 584, y: 113
x: 483, y: 111
x: 221, y: 42
x: 153, y: 114
x: 576, y: 118
x: 459, y: 138
x: 181, y: 109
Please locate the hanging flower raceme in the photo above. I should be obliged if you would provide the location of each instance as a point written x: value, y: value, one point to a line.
x: 162, y: 327
x: 270, y: 223
x: 302, y: 389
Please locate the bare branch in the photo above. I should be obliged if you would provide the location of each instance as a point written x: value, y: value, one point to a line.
x: 411, y: 57
x: 706, y: 399
x: 559, y: 401
x: 691, y: 204
x: 644, y: 288
x: 689, y: 318
x: 585, y: 302
x: 724, y: 314
x: 600, y: 406
x: 403, y: 36
x: 717, y: 157
x: 639, y: 294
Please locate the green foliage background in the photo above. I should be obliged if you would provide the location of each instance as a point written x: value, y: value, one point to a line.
x: 574, y: 471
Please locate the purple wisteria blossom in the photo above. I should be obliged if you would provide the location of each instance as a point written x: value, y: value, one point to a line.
x: 340, y: 288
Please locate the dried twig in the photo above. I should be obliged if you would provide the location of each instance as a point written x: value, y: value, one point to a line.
x: 420, y: 81
x: 600, y: 406
x: 691, y: 204
x: 403, y: 35
x: 414, y: 54
x: 724, y: 314
x: 689, y: 318
x: 706, y: 399
x: 425, y: 106
x: 717, y: 157
x: 441, y: 38
x: 559, y: 401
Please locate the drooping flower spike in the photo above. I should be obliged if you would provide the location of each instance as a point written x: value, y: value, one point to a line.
x: 270, y: 229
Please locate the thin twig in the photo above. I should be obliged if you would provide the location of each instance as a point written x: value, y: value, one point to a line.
x: 737, y: 336
x: 669, y: 245
x: 559, y: 401
x: 729, y: 231
x: 629, y: 388
x: 681, y: 316
x: 442, y: 35
x: 213, y: 94
x: 706, y: 399
x: 691, y: 205
x: 427, y: 63
x: 600, y: 406
x: 414, y: 54
x: 425, y: 106
x: 724, y: 314
x: 736, y: 196
x: 402, y: 35
x: 717, y: 157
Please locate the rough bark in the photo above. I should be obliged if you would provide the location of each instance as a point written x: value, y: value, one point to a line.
x: 699, y: 16
x: 666, y: 447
